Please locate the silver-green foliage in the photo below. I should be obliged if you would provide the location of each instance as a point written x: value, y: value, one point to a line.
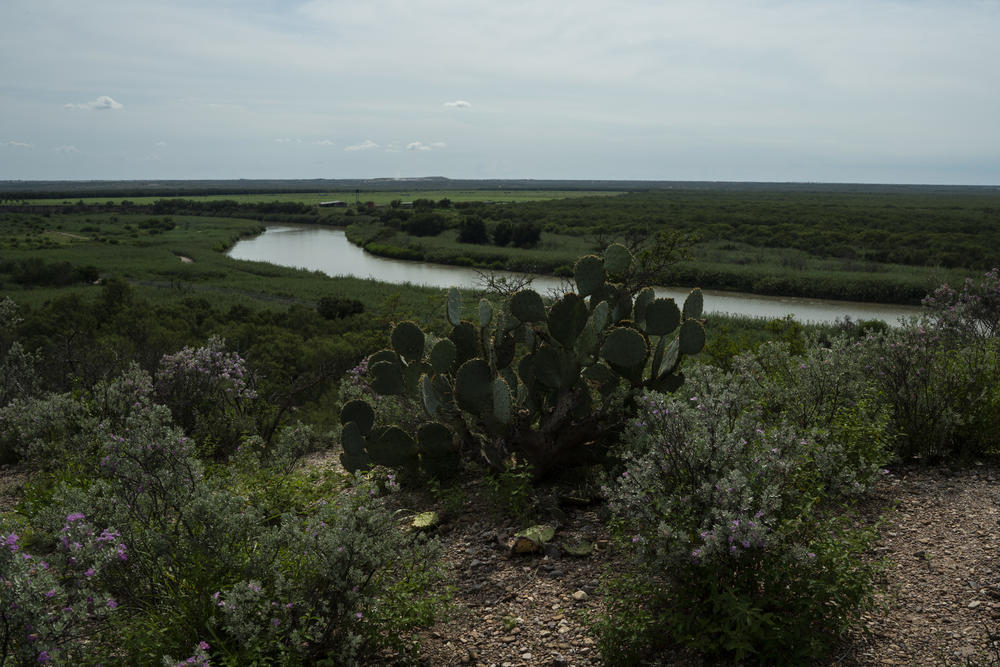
x: 533, y: 381
x: 732, y: 503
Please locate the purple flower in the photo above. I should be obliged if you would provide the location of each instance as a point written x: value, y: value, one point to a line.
x: 203, y: 645
x: 50, y: 593
x: 358, y: 615
x: 11, y: 542
x: 111, y: 603
x: 75, y: 516
x: 89, y: 572
x: 43, y: 657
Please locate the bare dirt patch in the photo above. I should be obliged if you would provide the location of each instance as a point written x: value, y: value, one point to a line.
x: 940, y: 600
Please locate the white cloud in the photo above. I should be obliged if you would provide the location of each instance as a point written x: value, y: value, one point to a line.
x: 16, y: 144
x: 160, y: 144
x: 365, y: 145
x: 458, y: 104
x: 325, y: 142
x: 421, y: 146
x: 66, y: 150
x: 102, y: 103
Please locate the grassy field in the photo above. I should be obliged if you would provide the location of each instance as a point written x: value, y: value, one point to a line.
x: 155, y: 264
x: 380, y: 197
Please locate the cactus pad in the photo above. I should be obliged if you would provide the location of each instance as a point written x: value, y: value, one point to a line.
x: 434, y: 439
x: 443, y: 355
x: 360, y: 413
x: 625, y: 347
x: 429, y: 396
x: 474, y: 386
x: 351, y: 439
x: 502, y: 400
x: 691, y: 337
x: 392, y: 447
x: 694, y: 303
x: 589, y: 274
x: 602, y: 316
x: 454, y: 307
x: 662, y: 317
x: 527, y: 306
x: 485, y: 313
x: 388, y: 378
x: 617, y: 259
x: 642, y: 301
x: 408, y: 340
x: 466, y: 341
x: 567, y: 318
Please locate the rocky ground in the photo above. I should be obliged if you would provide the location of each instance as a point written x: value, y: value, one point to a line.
x: 939, y: 603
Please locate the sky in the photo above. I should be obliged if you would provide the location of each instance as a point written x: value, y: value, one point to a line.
x: 858, y: 91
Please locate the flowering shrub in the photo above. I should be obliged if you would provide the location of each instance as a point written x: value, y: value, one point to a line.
x: 333, y: 595
x: 944, y: 397
x: 54, y: 607
x: 725, y: 511
x: 17, y: 373
x: 45, y: 432
x: 826, y: 393
x: 970, y: 313
x: 210, y: 394
x: 192, y: 530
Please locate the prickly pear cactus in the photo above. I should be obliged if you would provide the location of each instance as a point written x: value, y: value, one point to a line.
x: 526, y: 379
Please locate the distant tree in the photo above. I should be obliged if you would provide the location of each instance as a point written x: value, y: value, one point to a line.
x: 425, y: 224
x: 335, y: 307
x: 444, y: 203
x: 526, y: 235
x: 472, y: 230
x: 503, y: 233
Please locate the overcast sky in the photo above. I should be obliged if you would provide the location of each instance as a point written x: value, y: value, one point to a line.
x: 761, y: 90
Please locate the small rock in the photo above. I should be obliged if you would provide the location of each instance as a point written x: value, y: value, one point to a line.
x: 580, y: 596
x: 974, y: 604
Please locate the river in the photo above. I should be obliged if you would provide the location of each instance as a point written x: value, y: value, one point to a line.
x: 328, y: 250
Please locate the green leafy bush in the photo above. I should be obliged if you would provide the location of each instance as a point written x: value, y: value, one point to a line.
x: 53, y: 607
x: 348, y: 580
x: 738, y: 551
x: 210, y: 393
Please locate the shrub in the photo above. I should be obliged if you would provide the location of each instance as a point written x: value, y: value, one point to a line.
x: 333, y: 307
x: 209, y: 392
x: 973, y: 312
x: 347, y: 579
x: 53, y: 608
x: 45, y: 432
x: 737, y: 551
x: 943, y: 398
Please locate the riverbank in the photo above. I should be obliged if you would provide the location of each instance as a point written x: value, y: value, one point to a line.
x: 741, y: 268
x: 329, y: 250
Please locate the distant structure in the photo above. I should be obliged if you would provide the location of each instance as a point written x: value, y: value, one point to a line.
x: 334, y: 204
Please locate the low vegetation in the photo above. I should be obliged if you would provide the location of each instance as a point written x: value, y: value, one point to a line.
x: 162, y: 416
